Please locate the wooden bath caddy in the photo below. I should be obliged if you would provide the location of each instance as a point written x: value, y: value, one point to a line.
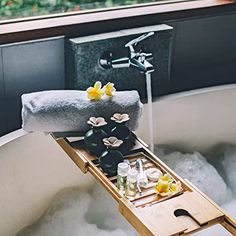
x: 186, y: 212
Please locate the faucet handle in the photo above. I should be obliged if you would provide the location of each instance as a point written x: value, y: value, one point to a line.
x: 146, y: 56
x: 134, y: 42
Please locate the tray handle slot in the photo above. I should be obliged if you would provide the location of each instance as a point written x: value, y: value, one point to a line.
x: 183, y: 212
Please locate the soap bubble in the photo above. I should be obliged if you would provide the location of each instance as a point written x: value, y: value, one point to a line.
x: 223, y: 157
x: 195, y: 168
x: 75, y: 212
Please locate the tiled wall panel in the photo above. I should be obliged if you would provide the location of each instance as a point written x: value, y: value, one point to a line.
x: 1, y: 77
x: 33, y: 66
x: 203, y: 53
x: 28, y: 67
x: 13, y: 113
x: 3, y: 118
x: 205, y: 42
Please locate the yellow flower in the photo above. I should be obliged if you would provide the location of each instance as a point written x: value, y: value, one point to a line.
x: 166, y: 186
x: 95, y: 93
x: 175, y: 187
x: 162, y: 187
x: 167, y: 177
x: 109, y: 89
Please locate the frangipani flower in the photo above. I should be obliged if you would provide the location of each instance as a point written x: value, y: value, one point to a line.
x: 95, y: 92
x: 112, y: 142
x: 162, y: 187
x: 167, y: 177
x: 167, y: 186
x: 96, y: 121
x: 120, y: 118
x: 175, y: 187
x: 109, y: 89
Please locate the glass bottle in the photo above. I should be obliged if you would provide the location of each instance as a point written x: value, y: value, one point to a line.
x: 142, y: 177
x: 122, y: 172
x: 131, y: 184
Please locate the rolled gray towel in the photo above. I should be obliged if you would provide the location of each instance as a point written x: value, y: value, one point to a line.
x: 69, y: 110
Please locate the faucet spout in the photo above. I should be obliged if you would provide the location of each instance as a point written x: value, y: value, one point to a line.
x: 144, y: 67
x: 149, y: 67
x: 137, y: 60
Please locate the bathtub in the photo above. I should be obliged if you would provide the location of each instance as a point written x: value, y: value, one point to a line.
x: 33, y: 167
x: 194, y: 120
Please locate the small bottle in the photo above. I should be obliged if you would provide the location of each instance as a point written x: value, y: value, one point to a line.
x: 131, y: 183
x: 122, y: 176
x: 142, y: 177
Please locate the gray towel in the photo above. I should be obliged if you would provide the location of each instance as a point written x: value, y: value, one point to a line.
x: 69, y: 110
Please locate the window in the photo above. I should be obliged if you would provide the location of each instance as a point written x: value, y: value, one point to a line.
x: 76, y: 21
x: 10, y: 9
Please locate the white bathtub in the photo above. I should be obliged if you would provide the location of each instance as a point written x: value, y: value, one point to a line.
x: 194, y: 120
x: 33, y: 167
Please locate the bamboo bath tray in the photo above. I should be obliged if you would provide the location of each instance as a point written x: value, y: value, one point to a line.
x: 184, y: 213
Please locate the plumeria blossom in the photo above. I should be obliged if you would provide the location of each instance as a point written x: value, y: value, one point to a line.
x: 167, y: 186
x: 167, y: 177
x: 120, y: 118
x: 162, y: 187
x: 109, y: 89
x: 175, y: 187
x: 95, y: 92
x: 96, y: 121
x: 112, y: 142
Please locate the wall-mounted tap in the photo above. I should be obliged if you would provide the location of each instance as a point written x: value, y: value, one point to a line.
x: 138, y: 60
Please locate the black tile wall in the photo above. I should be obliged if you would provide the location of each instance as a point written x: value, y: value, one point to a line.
x: 13, y: 113
x: 28, y: 67
x: 203, y: 53
x: 3, y: 118
x: 33, y: 66
x: 1, y: 77
x: 204, y: 42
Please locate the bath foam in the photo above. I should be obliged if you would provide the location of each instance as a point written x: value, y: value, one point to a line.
x: 195, y: 168
x: 75, y: 212
x: 224, y: 159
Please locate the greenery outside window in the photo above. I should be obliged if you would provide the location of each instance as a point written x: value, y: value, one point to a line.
x: 22, y: 20
x: 11, y: 9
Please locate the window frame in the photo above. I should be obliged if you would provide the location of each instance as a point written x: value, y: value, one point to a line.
x: 92, y: 22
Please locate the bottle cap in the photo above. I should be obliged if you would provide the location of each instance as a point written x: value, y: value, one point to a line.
x: 123, y: 169
x: 132, y: 175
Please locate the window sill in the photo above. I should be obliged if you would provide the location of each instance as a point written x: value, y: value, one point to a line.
x: 73, y: 24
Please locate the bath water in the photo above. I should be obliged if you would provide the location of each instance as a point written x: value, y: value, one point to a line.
x: 77, y: 212
x: 150, y: 112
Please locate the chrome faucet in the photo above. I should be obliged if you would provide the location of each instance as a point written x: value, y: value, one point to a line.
x: 138, y: 60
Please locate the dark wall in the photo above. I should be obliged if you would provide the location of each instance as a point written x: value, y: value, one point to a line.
x: 83, y: 55
x: 27, y: 67
x: 203, y: 54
